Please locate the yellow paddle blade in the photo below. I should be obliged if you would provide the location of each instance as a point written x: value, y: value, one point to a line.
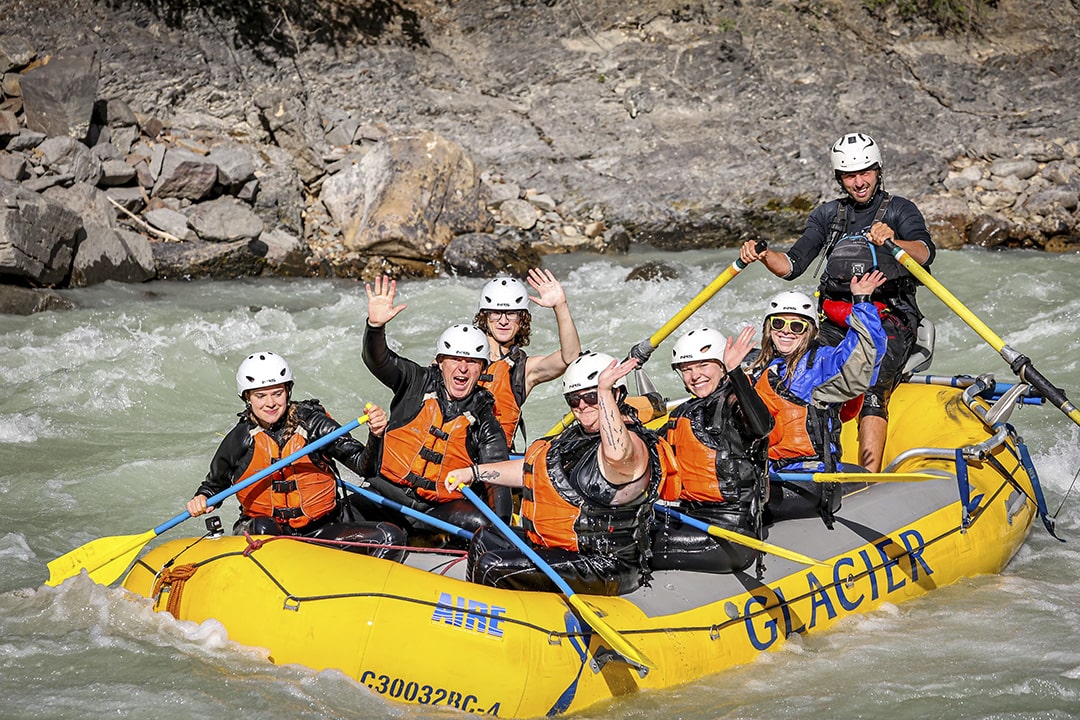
x: 610, y: 635
x: 105, y: 559
x: 740, y: 539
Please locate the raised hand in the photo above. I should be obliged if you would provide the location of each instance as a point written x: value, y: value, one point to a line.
x: 614, y: 372
x: 544, y: 282
x: 380, y: 304
x: 736, y: 349
x: 869, y: 282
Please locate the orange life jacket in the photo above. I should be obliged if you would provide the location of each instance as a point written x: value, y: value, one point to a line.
x: 421, y: 453
x: 505, y: 379
x: 297, y: 494
x: 558, y: 512
x: 717, y: 464
x: 801, y: 432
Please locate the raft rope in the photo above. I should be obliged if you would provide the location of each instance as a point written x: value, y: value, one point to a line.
x: 1067, y: 493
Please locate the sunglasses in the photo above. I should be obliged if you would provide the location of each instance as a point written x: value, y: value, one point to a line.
x: 796, y: 327
x: 511, y: 315
x: 585, y: 398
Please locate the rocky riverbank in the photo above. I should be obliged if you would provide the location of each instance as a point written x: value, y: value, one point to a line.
x: 472, y: 137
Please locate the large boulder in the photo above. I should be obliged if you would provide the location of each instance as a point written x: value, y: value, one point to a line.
x: 105, y: 251
x: 38, y: 237
x: 407, y: 198
x: 24, y: 301
x: 58, y: 97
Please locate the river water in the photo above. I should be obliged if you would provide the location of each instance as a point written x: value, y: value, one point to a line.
x: 110, y: 413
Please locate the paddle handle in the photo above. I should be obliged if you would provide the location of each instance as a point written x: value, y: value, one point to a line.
x: 283, y: 462
x: 406, y: 510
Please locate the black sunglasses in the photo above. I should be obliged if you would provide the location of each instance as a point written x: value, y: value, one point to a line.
x: 585, y: 398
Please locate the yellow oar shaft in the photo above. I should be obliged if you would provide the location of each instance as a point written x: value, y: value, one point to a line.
x: 950, y: 300
x: 678, y: 319
x: 698, y: 300
x: 739, y: 538
x: 1018, y: 363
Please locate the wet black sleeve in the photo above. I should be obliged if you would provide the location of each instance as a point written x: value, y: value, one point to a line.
x: 231, y: 459
x: 812, y: 240
x: 758, y: 420
x: 383, y: 362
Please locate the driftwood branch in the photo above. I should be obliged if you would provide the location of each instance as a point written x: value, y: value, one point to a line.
x: 167, y: 237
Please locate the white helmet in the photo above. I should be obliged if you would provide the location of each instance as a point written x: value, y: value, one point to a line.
x: 584, y: 372
x: 463, y: 341
x: 855, y: 152
x: 793, y: 302
x: 701, y: 344
x: 504, y: 293
x: 262, y: 369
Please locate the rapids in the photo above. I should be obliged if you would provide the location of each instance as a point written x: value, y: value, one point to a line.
x: 111, y: 412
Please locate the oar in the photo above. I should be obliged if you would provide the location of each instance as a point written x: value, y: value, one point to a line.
x: 1019, y: 364
x: 618, y: 643
x: 644, y: 349
x: 406, y: 510
x: 106, y: 559
x: 829, y: 477
x: 739, y: 538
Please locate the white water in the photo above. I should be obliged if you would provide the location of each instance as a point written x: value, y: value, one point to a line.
x: 110, y: 414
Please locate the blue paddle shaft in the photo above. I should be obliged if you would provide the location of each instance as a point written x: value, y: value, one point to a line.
x: 520, y: 544
x: 406, y: 510
x: 283, y: 462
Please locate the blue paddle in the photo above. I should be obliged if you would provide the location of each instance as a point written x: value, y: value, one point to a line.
x: 106, y: 559
x: 618, y: 643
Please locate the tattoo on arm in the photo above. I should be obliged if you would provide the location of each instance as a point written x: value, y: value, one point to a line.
x: 489, y: 475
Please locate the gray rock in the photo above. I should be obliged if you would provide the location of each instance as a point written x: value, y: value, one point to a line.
x: 419, y: 192
x: 65, y: 155
x: 199, y: 259
x: 86, y: 201
x: 234, y: 165
x: 224, y: 220
x: 499, y: 192
x: 108, y: 254
x: 542, y: 201
x: 517, y: 213
x: 286, y: 254
x: 9, y: 126
x: 1044, y: 202
x: 129, y: 198
x: 13, y: 166
x: 484, y: 255
x: 58, y: 98
x: 170, y: 221
x: 1060, y: 172
x: 44, y: 182
x: 15, y: 52
x: 280, y: 197
x: 184, y: 174
x: 10, y: 86
x: 988, y: 231
x: 1022, y: 169
x: 116, y: 172
x: 25, y: 140
x: 119, y: 115
x: 24, y: 301
x: 37, y: 236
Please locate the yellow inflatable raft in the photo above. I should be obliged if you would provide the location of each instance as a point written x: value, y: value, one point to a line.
x: 418, y: 633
